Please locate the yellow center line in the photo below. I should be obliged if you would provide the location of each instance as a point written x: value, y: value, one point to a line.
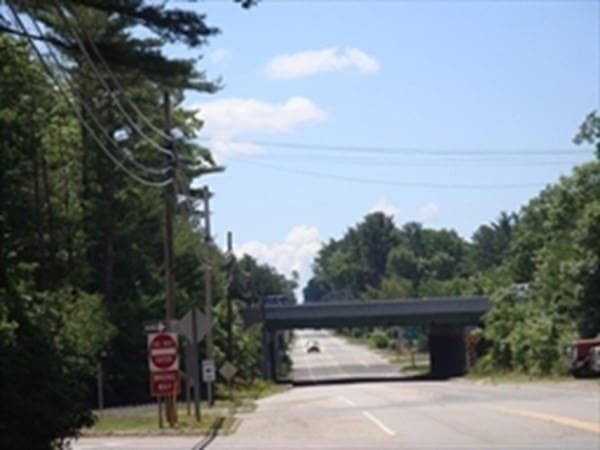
x: 562, y: 420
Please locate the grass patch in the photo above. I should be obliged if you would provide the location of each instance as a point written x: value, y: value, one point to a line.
x: 417, y: 369
x: 143, y: 420
x: 405, y: 358
x: 258, y: 389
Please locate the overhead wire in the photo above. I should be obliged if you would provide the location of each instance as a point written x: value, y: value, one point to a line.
x: 115, y: 79
x: 69, y: 101
x: 365, y: 160
x: 380, y: 182
x: 181, y: 185
x: 100, y: 78
x: 397, y: 150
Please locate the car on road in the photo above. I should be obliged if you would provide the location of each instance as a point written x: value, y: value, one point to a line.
x: 313, y: 347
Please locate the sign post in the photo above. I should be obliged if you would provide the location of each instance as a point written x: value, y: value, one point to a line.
x: 227, y: 371
x: 163, y: 360
x: 193, y: 326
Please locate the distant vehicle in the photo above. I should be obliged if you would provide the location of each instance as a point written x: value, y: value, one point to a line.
x: 313, y: 347
x: 584, y: 357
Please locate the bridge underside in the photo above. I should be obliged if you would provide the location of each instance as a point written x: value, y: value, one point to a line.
x: 445, y: 318
x: 451, y: 310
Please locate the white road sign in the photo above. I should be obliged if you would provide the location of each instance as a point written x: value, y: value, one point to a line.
x: 208, y: 371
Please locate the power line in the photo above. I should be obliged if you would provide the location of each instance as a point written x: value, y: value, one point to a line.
x: 115, y: 80
x: 100, y: 78
x: 365, y: 160
x: 403, y: 150
x: 73, y: 107
x: 380, y: 182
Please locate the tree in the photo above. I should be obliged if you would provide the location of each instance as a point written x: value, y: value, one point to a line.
x: 315, y: 290
x: 589, y: 131
x: 51, y: 327
x: 556, y: 251
x: 350, y: 266
x: 491, y: 242
x: 81, y: 240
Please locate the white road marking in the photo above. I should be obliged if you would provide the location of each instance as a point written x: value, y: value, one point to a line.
x: 347, y: 400
x: 378, y: 422
x: 369, y: 416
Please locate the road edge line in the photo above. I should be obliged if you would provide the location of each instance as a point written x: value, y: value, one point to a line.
x: 378, y: 422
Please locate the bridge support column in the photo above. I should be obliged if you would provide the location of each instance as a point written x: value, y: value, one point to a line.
x: 447, y: 350
x: 269, y: 353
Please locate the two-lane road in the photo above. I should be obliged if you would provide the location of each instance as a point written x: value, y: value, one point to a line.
x: 337, y: 360
x: 391, y: 414
x: 454, y: 414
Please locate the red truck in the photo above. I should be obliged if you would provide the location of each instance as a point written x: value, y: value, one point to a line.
x: 584, y: 357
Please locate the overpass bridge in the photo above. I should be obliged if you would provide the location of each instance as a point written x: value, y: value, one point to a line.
x: 444, y: 317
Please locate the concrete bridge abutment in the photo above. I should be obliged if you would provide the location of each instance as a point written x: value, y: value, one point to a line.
x: 447, y: 350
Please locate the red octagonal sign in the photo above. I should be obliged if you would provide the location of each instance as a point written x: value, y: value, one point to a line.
x: 162, y: 352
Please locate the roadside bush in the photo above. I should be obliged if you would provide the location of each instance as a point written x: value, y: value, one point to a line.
x: 379, y: 339
x: 47, y: 365
x: 525, y: 335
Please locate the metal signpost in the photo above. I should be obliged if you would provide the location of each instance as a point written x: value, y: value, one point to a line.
x: 193, y: 326
x: 227, y: 371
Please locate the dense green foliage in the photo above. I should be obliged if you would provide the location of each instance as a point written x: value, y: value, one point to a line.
x: 541, y: 266
x: 52, y: 327
x: 377, y: 260
x: 81, y: 254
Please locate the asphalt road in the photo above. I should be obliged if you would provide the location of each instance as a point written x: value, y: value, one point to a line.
x: 454, y: 414
x: 337, y: 360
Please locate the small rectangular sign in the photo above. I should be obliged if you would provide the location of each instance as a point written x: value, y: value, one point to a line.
x: 165, y: 383
x: 208, y: 371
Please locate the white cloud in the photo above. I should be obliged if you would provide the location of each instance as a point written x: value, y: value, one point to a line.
x: 295, y: 252
x: 310, y: 62
x: 428, y: 212
x: 219, y: 55
x: 227, y: 118
x: 386, y: 207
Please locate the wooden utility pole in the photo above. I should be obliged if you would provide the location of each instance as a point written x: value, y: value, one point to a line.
x: 169, y: 194
x: 208, y: 288
x: 169, y: 251
x: 228, y: 297
x: 229, y: 310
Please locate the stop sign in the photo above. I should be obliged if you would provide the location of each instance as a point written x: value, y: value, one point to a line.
x: 162, y: 352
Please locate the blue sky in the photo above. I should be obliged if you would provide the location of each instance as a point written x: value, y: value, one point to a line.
x: 442, y: 112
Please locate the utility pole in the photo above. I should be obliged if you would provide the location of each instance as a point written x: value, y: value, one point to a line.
x: 206, y: 198
x: 100, y: 388
x: 229, y: 310
x: 228, y: 297
x: 208, y: 288
x: 169, y: 252
x: 169, y: 196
